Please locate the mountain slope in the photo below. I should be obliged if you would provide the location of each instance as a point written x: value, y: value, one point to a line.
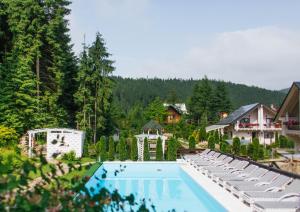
x: 129, y: 91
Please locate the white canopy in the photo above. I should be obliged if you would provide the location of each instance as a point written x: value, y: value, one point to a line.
x: 215, y: 127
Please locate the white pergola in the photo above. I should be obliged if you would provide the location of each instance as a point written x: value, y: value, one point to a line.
x: 59, y: 141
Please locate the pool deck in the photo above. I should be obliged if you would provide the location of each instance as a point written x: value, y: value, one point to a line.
x: 224, y: 197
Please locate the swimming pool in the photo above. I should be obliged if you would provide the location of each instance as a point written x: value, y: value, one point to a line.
x: 165, y: 185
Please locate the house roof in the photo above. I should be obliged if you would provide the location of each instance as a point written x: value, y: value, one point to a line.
x: 295, y: 84
x: 177, y: 109
x: 235, y: 115
x: 152, y: 125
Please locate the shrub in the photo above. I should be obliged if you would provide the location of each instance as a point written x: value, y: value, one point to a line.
x: 192, y: 142
x: 211, y: 142
x: 250, y: 150
x: 70, y: 156
x: 111, y: 149
x: 223, y: 146
x: 159, y: 150
x: 202, y: 134
x: 290, y: 144
x: 103, y: 154
x: 236, y: 146
x: 134, y: 149
x: 146, y: 155
x: 8, y: 136
x: 256, y: 146
x: 122, y: 149
x: 261, y: 154
x: 172, y: 149
x: 283, y: 141
x: 216, y: 137
x: 243, y: 150
x: 277, y: 144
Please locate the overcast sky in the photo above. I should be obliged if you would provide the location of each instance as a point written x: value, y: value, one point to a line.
x: 255, y: 42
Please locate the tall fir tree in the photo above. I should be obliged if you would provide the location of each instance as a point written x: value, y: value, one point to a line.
x: 146, y: 154
x: 94, y: 80
x: 159, y: 150
x: 134, y: 149
x: 201, y: 101
x: 111, y: 149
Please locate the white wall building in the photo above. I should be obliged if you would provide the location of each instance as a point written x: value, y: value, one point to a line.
x: 289, y: 114
x: 248, y: 122
x: 59, y: 141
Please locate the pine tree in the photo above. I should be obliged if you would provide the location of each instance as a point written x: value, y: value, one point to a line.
x: 172, y: 149
x: 200, y: 102
x: 255, y: 144
x: 159, y: 150
x: 146, y: 153
x: 216, y: 137
x: 103, y: 153
x: 134, y: 149
x: 122, y: 149
x: 94, y: 95
x: 156, y: 111
x: 211, y: 142
x: 236, y: 146
x: 277, y: 144
x: 192, y: 142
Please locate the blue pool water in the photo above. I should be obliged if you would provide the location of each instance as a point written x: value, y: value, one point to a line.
x: 165, y: 185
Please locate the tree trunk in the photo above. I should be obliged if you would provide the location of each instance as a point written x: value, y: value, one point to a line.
x: 95, y: 115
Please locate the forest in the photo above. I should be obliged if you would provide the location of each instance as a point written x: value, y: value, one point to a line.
x: 44, y: 84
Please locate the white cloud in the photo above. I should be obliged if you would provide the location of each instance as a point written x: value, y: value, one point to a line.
x: 268, y: 57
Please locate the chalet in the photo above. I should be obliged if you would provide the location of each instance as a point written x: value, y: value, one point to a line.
x: 152, y: 131
x: 289, y: 114
x: 248, y: 122
x: 174, y: 112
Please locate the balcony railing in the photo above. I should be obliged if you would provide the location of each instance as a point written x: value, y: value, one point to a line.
x: 292, y: 124
x: 248, y: 125
x: 272, y: 125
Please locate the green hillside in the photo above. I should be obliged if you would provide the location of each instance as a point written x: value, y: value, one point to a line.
x: 129, y: 91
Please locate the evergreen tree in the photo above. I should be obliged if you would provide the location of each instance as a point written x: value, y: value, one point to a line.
x: 172, y: 149
x: 156, y: 111
x: 111, y: 149
x: 255, y: 154
x: 122, y: 149
x: 202, y: 134
x: 146, y: 153
x: 94, y: 95
x: 103, y: 148
x: 159, y: 150
x: 243, y: 150
x: 220, y: 101
x: 134, y: 149
x: 200, y: 101
x: 277, y: 143
x: 236, y: 146
x: 211, y: 142
x: 216, y: 137
x: 192, y: 142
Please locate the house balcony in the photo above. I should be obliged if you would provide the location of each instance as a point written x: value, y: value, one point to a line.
x: 248, y: 126
x: 292, y: 124
x: 272, y: 126
x: 256, y: 127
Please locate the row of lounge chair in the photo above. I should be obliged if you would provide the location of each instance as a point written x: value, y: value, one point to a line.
x: 260, y: 188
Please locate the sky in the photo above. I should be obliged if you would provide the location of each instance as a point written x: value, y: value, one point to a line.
x: 254, y: 42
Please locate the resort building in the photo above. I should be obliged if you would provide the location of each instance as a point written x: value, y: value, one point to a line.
x: 289, y: 115
x: 174, y: 112
x: 248, y: 122
x: 152, y: 131
x: 58, y: 141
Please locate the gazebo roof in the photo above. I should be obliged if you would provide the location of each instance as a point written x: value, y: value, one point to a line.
x: 152, y: 125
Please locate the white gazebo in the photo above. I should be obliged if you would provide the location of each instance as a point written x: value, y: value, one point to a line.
x: 59, y: 141
x: 152, y: 131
